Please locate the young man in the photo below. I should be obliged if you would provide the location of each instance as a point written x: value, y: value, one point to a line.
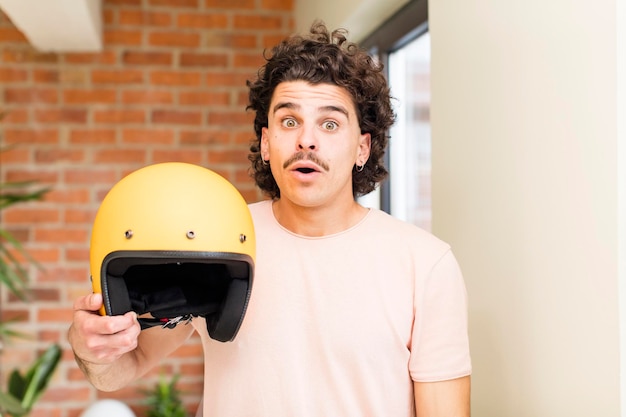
x: 353, y: 313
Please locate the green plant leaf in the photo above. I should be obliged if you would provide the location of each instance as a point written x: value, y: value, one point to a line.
x: 9, y: 198
x: 12, y: 273
x: 17, y: 384
x: 11, y: 405
x: 39, y: 375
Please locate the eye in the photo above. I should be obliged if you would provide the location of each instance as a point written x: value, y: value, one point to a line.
x: 289, y: 122
x: 330, y: 125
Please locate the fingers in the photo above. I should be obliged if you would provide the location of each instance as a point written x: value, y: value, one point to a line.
x: 91, y: 302
x: 101, y: 339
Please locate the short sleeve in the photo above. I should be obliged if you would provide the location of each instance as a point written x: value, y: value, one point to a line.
x: 440, y: 343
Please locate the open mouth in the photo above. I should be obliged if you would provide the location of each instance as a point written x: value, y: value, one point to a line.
x: 305, y: 170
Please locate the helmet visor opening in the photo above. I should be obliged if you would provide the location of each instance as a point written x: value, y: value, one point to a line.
x: 169, y: 286
x: 175, y: 289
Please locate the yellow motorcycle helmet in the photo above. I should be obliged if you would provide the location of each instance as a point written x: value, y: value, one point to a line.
x: 177, y: 241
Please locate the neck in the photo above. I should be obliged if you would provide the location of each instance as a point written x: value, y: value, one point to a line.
x: 317, y: 221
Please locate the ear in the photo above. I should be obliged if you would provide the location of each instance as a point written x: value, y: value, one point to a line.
x: 365, y: 145
x: 265, y: 148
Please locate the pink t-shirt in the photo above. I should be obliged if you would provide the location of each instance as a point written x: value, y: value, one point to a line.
x: 340, y: 325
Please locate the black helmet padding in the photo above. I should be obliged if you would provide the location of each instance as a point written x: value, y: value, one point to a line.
x: 171, y: 284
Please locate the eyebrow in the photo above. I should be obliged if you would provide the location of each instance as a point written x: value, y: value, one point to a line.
x: 294, y: 106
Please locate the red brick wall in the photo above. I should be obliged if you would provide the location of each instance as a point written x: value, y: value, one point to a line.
x: 169, y: 85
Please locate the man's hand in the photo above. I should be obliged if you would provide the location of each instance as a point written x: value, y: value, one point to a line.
x: 101, y: 339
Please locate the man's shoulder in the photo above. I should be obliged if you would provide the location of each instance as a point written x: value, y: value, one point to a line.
x: 384, y: 225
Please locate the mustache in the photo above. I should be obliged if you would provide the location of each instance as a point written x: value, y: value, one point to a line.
x: 309, y: 156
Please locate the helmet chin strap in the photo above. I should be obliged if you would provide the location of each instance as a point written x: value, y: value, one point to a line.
x: 147, y: 323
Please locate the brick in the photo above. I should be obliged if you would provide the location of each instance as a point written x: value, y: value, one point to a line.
x: 243, y: 99
x: 204, y: 98
x: 144, y: 18
x: 92, y: 136
x: 191, y: 156
x: 90, y: 176
x: 147, y: 97
x: 79, y: 255
x: 175, y: 78
x: 11, y: 75
x: 54, y: 156
x: 12, y: 35
x: 44, y: 294
x: 30, y: 215
x: 229, y: 40
x: 58, y: 315
x: 248, y: 60
x: 244, y: 138
x: 238, y: 118
x: 227, y: 79
x: 89, y: 96
x: 77, y: 216
x: 204, y: 137
x: 227, y: 156
x: 45, y: 255
x: 229, y: 4
x: 15, y: 116
x: 28, y: 56
x: 117, y: 77
x: 40, y: 410
x: 62, y: 394
x: 61, y: 115
x: 68, y: 196
x: 120, y: 156
x: 269, y: 41
x: 73, y: 77
x: 30, y: 96
x: 101, y: 58
x: 147, y: 58
x: 119, y: 116
x: 14, y: 155
x: 31, y: 136
x: 282, y: 5
x: 202, y: 21
x: 176, y: 117
x: 110, y: 3
x: 39, y: 176
x: 148, y: 136
x: 65, y: 235
x: 174, y: 39
x: 45, y: 76
x: 122, y: 37
x: 190, y: 59
x: 15, y: 315
x: 175, y: 3
x: 64, y: 275
x: 257, y: 22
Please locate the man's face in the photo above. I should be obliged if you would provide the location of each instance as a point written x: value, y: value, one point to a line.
x: 312, y: 142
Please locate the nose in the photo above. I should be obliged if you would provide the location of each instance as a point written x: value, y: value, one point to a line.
x: 307, y: 140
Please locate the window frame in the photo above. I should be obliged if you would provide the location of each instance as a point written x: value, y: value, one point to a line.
x: 408, y: 23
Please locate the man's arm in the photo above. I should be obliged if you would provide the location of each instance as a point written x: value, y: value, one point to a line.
x: 112, y: 351
x: 443, y: 399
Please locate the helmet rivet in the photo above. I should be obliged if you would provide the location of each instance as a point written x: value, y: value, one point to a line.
x: 191, y: 234
x: 242, y: 238
x: 128, y: 234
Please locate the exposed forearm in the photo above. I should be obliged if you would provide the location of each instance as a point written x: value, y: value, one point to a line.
x: 111, y: 376
x: 443, y: 399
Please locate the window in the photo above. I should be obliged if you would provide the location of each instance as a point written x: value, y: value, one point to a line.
x: 402, y: 44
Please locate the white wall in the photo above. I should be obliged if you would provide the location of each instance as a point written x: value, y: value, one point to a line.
x: 526, y: 189
x: 526, y: 186
x: 360, y: 17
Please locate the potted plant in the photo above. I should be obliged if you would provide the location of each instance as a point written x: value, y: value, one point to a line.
x: 164, y: 399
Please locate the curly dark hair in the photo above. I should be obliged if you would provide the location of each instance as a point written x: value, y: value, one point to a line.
x: 325, y: 57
